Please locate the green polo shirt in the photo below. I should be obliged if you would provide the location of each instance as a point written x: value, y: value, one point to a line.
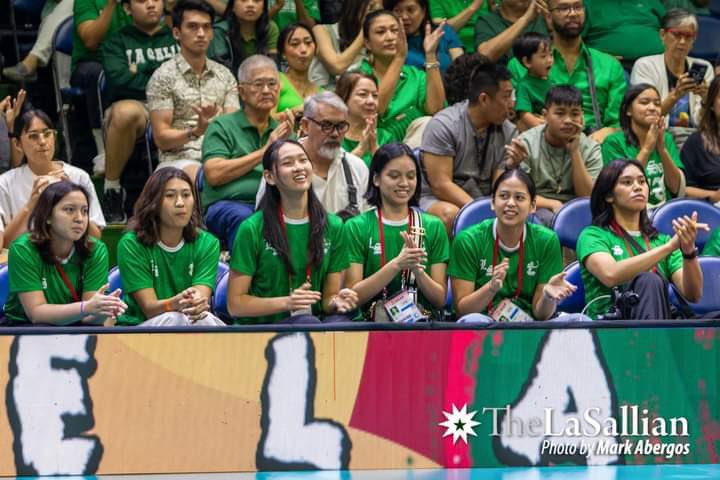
x: 407, y: 104
x: 451, y: 8
x: 493, y: 24
x: 530, y: 94
x: 232, y: 136
x: 624, y: 28
x: 84, y: 10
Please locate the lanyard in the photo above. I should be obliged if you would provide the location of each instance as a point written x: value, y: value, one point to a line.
x: 621, y: 232
x: 520, y: 266
x: 381, y: 234
x: 308, y: 269
x: 67, y: 282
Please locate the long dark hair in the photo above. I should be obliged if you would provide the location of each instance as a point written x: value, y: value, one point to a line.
x: 262, y: 32
x: 269, y: 205
x: 521, y: 175
x: 22, y: 125
x: 602, y: 211
x: 383, y: 156
x: 424, y: 4
x: 146, y: 216
x: 39, y: 228
x: 631, y: 94
x: 348, y: 25
x: 288, y: 31
x: 709, y: 127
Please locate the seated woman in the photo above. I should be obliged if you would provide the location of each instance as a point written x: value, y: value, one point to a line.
x: 245, y: 30
x: 407, y: 94
x: 395, y: 249
x: 21, y: 187
x: 359, y: 91
x: 415, y: 17
x: 623, y: 250
x: 296, y: 45
x: 701, y: 152
x: 644, y: 138
x: 669, y: 73
x: 58, y: 274
x: 288, y: 260
x: 508, y: 259
x: 168, y: 264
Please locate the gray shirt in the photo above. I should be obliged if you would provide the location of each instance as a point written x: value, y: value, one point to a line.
x: 451, y: 134
x: 549, y: 166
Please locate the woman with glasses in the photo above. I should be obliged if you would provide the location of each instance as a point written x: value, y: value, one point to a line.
x: 682, y: 81
x: 21, y: 187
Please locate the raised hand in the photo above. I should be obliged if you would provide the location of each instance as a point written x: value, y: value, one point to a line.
x: 660, y: 143
x: 686, y: 229
x: 205, y: 113
x: 345, y: 301
x: 515, y: 153
x: 557, y: 288
x: 498, y: 275
x: 102, y: 306
x: 432, y: 39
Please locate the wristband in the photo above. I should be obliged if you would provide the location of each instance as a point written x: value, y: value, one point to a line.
x: 82, y: 308
x: 691, y: 255
x: 167, y: 305
x: 431, y: 65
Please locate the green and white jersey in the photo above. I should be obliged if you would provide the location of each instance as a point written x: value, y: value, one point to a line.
x: 167, y: 270
x: 595, y: 239
x: 471, y: 259
x: 29, y: 273
x: 253, y: 256
x: 363, y: 240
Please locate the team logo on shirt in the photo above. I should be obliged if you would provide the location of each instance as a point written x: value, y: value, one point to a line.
x: 617, y: 251
x: 271, y: 248
x: 44, y: 283
x: 484, y: 267
x: 532, y: 268
x: 374, y: 247
x: 191, y: 268
x: 154, y: 268
x: 326, y: 246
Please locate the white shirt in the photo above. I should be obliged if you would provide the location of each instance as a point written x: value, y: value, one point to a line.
x: 16, y: 188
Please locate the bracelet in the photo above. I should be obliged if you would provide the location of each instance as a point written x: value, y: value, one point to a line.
x: 167, y: 305
x: 82, y: 308
x: 431, y: 65
x: 691, y: 255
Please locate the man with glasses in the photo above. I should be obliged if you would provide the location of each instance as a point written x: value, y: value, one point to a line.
x: 234, y: 145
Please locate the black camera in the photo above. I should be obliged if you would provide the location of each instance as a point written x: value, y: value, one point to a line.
x: 622, y: 305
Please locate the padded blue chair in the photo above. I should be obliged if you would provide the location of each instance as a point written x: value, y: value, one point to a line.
x: 707, y: 213
x: 575, y: 302
x: 223, y: 268
x: 114, y: 279
x: 4, y: 285
x: 33, y: 7
x: 472, y: 213
x: 220, y: 300
x: 707, y: 44
x: 570, y: 220
x: 715, y: 8
x: 710, y: 300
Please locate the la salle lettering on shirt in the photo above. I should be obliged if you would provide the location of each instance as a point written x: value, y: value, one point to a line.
x: 159, y: 54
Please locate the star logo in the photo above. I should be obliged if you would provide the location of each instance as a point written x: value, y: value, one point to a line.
x: 459, y: 423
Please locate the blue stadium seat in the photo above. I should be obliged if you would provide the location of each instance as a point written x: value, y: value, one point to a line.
x: 220, y: 301
x: 707, y: 44
x: 715, y: 8
x: 4, y: 285
x: 575, y: 302
x: 570, y: 220
x: 710, y: 300
x: 114, y: 279
x: 707, y: 213
x: 223, y: 268
x: 33, y: 7
x: 472, y: 213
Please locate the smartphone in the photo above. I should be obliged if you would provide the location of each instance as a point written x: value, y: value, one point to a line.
x: 697, y: 72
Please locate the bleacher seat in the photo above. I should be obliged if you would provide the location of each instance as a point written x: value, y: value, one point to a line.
x: 710, y: 300
x: 575, y: 302
x: 220, y: 300
x: 714, y: 8
x: 64, y: 93
x: 33, y: 7
x: 570, y: 220
x: 4, y: 285
x: 707, y: 44
x: 114, y: 279
x: 707, y: 213
x: 472, y: 213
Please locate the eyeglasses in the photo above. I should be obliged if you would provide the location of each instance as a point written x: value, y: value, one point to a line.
x: 36, y: 135
x: 328, y: 127
x: 260, y: 84
x: 682, y: 35
x: 567, y: 9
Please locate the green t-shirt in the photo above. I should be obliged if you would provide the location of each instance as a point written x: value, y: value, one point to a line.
x: 288, y: 98
x: 253, y: 256
x: 232, y: 136
x: 29, y: 273
x: 84, y: 10
x: 595, y: 239
x: 471, y: 259
x: 220, y: 46
x: 451, y: 8
x: 493, y: 24
x: 530, y: 95
x: 407, y: 104
x: 363, y: 240
x: 616, y: 146
x: 166, y: 270
x: 712, y: 246
x: 383, y: 137
x: 288, y: 15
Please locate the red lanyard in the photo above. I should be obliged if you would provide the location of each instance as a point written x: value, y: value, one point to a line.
x: 381, y: 234
x: 622, y: 233
x: 308, y: 269
x: 67, y: 282
x: 520, y: 266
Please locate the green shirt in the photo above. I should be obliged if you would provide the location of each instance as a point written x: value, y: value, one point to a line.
x: 288, y: 97
x: 493, y: 24
x: 364, y: 246
x: 220, y: 48
x: 166, y: 270
x: 288, y: 14
x: 595, y: 239
x: 530, y: 94
x: 471, y: 259
x: 254, y: 257
x: 232, y: 136
x: 616, y: 146
x: 29, y: 273
x: 712, y: 246
x: 407, y: 104
x: 383, y: 137
x: 451, y: 8
x: 84, y: 10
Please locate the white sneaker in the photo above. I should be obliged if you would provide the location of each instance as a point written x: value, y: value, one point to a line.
x: 99, y: 165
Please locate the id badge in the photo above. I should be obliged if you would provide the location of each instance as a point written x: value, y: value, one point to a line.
x: 402, y: 308
x: 507, y: 311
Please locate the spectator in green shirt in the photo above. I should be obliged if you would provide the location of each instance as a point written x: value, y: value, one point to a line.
x: 297, y: 46
x: 460, y: 16
x: 535, y: 53
x: 496, y: 31
x: 285, y: 12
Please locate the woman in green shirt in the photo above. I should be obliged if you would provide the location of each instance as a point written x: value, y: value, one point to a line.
x: 508, y: 263
x: 623, y: 250
x: 296, y: 45
x: 395, y: 249
x: 58, y: 274
x: 288, y: 257
x: 644, y: 138
x: 167, y: 263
